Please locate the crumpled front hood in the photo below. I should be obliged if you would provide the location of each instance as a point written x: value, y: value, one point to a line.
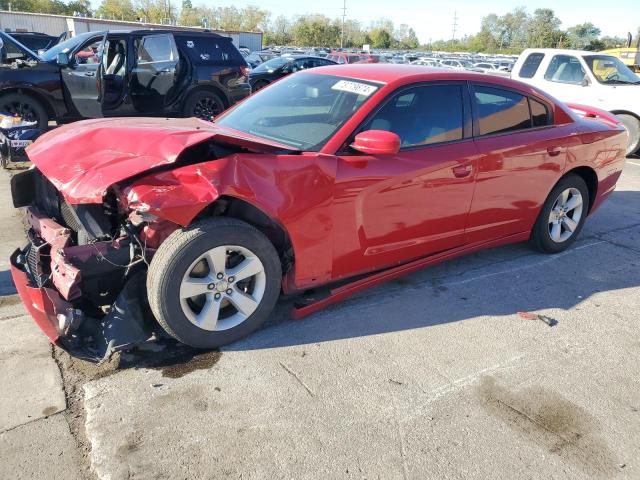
x: 84, y: 159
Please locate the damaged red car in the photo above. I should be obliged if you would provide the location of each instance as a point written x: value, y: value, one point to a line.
x: 320, y: 185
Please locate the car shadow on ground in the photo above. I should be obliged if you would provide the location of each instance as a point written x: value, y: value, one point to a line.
x: 497, y: 282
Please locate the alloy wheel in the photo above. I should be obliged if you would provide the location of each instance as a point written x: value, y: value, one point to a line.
x: 20, y: 109
x: 222, y: 288
x: 565, y: 215
x: 206, y: 108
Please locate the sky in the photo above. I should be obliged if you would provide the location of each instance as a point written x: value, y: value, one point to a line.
x: 433, y: 19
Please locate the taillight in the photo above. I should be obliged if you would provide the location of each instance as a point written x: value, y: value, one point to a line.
x: 245, y: 71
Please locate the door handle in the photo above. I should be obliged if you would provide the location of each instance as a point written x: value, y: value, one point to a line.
x: 462, y: 171
x: 554, y: 151
x: 89, y: 74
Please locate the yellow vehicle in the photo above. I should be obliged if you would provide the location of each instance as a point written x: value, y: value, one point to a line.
x: 629, y: 55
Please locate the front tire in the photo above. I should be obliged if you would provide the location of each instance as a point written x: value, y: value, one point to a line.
x: 214, y: 283
x: 632, y: 124
x: 562, y: 215
x: 26, y: 107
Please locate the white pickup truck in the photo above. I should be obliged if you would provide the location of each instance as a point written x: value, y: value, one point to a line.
x: 587, y: 78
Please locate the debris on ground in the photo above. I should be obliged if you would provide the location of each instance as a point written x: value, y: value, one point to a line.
x: 552, y: 322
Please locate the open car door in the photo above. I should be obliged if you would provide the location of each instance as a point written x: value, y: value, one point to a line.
x: 154, y: 74
x: 82, y: 77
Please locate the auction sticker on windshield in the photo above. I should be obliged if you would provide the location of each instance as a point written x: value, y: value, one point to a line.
x: 355, y: 87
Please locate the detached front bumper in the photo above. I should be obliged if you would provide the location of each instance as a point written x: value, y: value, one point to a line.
x: 44, y: 304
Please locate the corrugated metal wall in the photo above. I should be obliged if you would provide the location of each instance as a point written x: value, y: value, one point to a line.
x: 57, y: 24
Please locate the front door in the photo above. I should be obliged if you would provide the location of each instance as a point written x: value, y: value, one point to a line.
x: 154, y: 74
x: 391, y: 209
x: 81, y: 78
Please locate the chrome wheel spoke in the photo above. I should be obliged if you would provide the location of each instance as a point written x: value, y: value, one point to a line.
x: 248, y: 268
x: 569, y: 224
x: 555, y: 231
x: 192, y: 287
x: 564, y: 196
x: 244, y: 303
x: 217, y: 260
x: 574, y: 202
x: 208, y: 316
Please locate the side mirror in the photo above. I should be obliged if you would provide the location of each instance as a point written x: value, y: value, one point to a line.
x: 585, y: 81
x: 377, y: 142
x: 63, y: 59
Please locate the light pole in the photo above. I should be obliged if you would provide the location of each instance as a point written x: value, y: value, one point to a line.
x: 344, y: 14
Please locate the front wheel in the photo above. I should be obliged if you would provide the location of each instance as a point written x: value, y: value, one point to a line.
x: 25, y: 107
x: 632, y: 124
x: 562, y: 215
x: 214, y: 283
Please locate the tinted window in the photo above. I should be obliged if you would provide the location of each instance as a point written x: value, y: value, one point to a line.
x: 565, y: 69
x: 422, y: 115
x: 157, y: 48
x: 210, y: 49
x: 530, y: 65
x: 89, y: 53
x: 501, y: 110
x: 539, y: 113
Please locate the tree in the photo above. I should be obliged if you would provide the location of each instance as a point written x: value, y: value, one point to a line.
x: 579, y: 36
x: 116, y: 9
x: 278, y: 31
x: 380, y: 38
x: 544, y: 29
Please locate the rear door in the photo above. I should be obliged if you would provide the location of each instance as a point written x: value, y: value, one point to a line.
x: 521, y: 156
x: 81, y: 77
x: 154, y: 74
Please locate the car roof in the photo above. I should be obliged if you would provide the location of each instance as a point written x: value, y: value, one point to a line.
x: 147, y: 31
x: 560, y: 51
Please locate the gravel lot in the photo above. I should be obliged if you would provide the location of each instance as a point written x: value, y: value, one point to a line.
x: 432, y: 376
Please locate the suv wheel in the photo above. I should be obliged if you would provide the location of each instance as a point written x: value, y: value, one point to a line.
x: 203, y: 104
x: 25, y: 106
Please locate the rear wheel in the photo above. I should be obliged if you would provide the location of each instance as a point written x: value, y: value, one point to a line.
x: 203, y: 104
x: 26, y: 107
x: 562, y: 215
x: 214, y: 283
x: 632, y: 124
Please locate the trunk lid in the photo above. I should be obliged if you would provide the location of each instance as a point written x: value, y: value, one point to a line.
x: 84, y: 159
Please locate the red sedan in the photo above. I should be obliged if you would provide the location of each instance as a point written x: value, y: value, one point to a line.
x: 340, y: 177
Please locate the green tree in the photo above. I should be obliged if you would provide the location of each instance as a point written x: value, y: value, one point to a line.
x: 579, y: 36
x: 544, y: 29
x: 380, y: 38
x: 116, y: 9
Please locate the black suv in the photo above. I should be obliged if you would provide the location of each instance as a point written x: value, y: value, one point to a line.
x: 122, y: 73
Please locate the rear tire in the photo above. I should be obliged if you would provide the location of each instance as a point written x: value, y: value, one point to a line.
x: 214, y: 283
x: 25, y: 106
x: 562, y: 215
x: 203, y: 104
x: 632, y: 124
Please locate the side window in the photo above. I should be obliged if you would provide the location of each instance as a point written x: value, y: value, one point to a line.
x: 341, y: 60
x: 539, y: 113
x: 157, y: 48
x: 422, y: 115
x: 530, y: 65
x: 89, y: 53
x: 565, y: 69
x: 501, y: 111
x: 354, y: 58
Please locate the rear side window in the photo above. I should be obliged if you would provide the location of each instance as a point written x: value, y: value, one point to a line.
x: 530, y: 65
x: 501, y: 110
x: 157, y: 48
x: 210, y: 50
x: 422, y: 115
x: 539, y: 113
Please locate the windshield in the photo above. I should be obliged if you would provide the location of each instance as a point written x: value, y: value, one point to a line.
x: 272, y: 65
x: 65, y: 47
x: 302, y: 110
x: 610, y: 70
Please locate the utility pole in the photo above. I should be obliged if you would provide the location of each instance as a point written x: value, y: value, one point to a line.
x: 344, y: 14
x: 455, y: 25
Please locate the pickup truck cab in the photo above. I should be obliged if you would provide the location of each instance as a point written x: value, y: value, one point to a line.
x: 588, y: 78
x: 122, y: 73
